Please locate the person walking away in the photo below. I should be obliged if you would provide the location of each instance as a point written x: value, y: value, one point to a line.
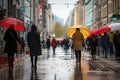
x: 77, y: 39
x: 116, y: 40
x: 34, y: 45
x: 93, y: 46
x: 48, y: 45
x: 66, y: 45
x: 99, y: 45
x: 54, y: 45
x: 105, y: 44
x: 88, y: 44
x: 10, y: 38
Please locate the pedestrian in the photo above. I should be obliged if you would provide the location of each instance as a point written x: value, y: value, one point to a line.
x: 10, y: 48
x: 77, y: 39
x: 105, y: 44
x: 54, y: 45
x: 48, y: 45
x: 111, y: 35
x: 99, y: 45
x: 93, y: 46
x: 116, y: 40
x: 23, y: 44
x: 34, y: 45
x: 88, y: 44
x: 66, y: 45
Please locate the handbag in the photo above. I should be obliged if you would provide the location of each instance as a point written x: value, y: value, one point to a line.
x: 19, y: 46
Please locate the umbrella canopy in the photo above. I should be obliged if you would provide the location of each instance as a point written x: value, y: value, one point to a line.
x: 83, y: 29
x: 18, y: 25
x: 94, y: 32
x: 114, y: 26
x: 104, y: 29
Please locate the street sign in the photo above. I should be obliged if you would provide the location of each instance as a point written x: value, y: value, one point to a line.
x: 115, y: 18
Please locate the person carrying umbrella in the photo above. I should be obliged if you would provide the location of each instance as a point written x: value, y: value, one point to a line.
x: 77, y: 39
x: 10, y: 38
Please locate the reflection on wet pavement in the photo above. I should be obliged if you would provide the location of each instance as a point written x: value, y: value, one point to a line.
x: 59, y: 67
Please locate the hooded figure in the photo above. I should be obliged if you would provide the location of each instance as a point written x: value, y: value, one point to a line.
x: 34, y: 45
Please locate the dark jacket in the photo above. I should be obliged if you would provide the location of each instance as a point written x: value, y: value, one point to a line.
x: 48, y: 43
x: 10, y: 42
x: 34, y: 45
x: 105, y: 41
x: 93, y: 42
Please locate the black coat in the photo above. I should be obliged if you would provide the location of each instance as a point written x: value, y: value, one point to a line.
x: 10, y: 42
x: 34, y: 45
x: 48, y: 43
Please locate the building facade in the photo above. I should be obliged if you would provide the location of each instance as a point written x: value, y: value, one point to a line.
x: 89, y: 13
x: 104, y: 11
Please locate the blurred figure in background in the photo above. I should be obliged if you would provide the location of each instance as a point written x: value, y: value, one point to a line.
x: 93, y: 46
x: 54, y: 45
x: 48, y: 45
x: 105, y: 44
x: 23, y: 44
x: 111, y: 35
x: 116, y: 40
x: 66, y: 45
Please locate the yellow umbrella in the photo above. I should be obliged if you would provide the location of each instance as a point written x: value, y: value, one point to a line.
x: 83, y: 29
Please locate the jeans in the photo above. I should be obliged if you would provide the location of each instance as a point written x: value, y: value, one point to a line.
x: 34, y: 61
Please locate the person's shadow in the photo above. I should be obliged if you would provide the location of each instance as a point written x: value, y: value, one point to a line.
x: 34, y: 75
x: 10, y: 75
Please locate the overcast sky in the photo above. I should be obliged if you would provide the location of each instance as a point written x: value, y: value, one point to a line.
x: 60, y: 7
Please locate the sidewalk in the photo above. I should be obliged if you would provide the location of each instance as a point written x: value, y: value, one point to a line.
x: 109, y: 63
x: 4, y: 61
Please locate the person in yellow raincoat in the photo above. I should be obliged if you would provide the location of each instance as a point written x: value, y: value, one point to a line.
x: 77, y: 39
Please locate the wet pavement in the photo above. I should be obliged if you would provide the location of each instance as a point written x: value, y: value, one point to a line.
x: 62, y: 66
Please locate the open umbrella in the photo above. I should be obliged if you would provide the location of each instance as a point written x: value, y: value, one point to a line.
x: 94, y: 32
x: 18, y: 25
x: 83, y: 29
x: 103, y: 29
x: 114, y: 26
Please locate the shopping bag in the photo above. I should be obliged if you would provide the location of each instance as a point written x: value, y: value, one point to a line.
x: 19, y: 47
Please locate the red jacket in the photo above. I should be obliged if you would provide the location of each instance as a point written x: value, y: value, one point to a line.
x: 54, y: 43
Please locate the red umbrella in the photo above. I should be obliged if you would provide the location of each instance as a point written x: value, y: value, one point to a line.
x: 94, y: 32
x: 103, y: 29
x: 18, y: 25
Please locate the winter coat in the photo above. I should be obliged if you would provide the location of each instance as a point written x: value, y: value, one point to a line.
x: 10, y: 42
x: 54, y: 43
x: 48, y: 43
x: 77, y: 39
x: 93, y: 43
x: 105, y: 41
x: 34, y: 45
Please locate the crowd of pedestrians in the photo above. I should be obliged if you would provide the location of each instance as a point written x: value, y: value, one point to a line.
x: 105, y: 45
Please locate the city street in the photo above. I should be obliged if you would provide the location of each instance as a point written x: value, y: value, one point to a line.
x: 62, y: 66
